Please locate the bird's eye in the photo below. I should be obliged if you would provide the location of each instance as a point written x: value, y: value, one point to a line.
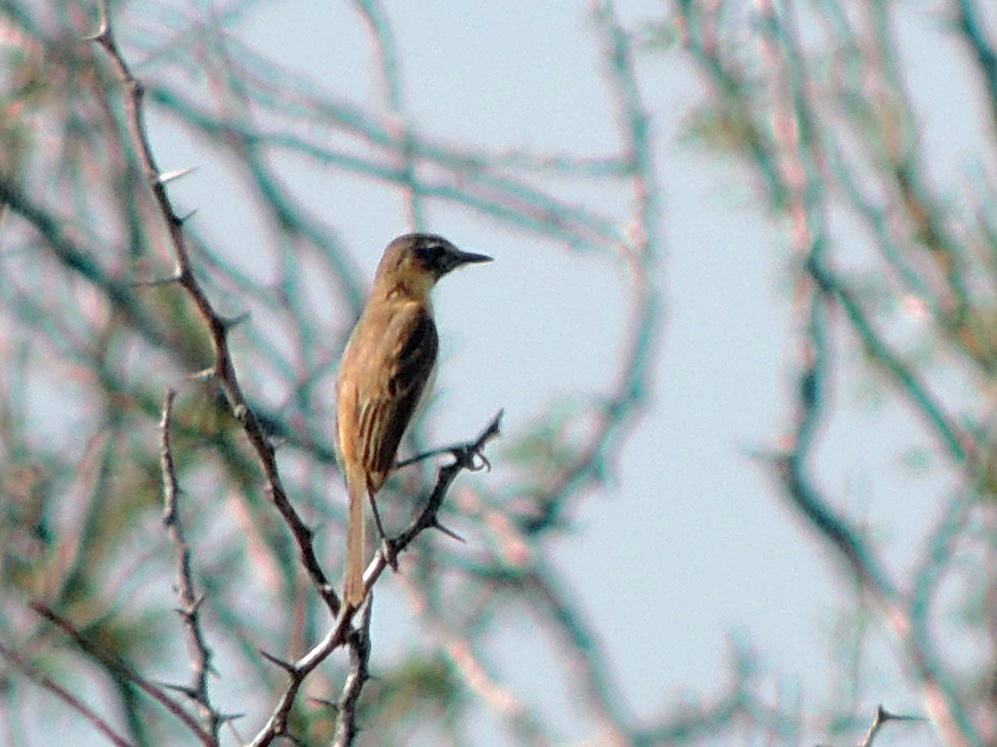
x: 429, y: 254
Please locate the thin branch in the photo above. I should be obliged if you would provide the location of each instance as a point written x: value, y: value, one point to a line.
x: 882, y: 717
x: 124, y: 671
x: 638, y: 250
x: 699, y: 722
x: 800, y: 146
x: 470, y: 182
x: 359, y: 645
x: 465, y: 457
x: 975, y: 37
x: 223, y: 369
x: 386, y: 52
x: 340, y: 632
x: 189, y: 602
x: 33, y: 673
x: 588, y: 672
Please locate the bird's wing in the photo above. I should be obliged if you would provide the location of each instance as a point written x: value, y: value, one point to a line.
x: 396, y: 371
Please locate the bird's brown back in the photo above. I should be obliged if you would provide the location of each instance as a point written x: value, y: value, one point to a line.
x: 384, y: 371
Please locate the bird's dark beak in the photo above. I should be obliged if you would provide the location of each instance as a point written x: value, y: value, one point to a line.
x: 459, y: 259
x: 466, y: 258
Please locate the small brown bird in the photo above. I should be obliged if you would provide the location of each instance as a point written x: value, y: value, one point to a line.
x: 384, y: 374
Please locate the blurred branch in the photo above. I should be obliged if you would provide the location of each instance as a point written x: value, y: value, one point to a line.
x: 585, y: 660
x: 122, y: 670
x: 46, y: 682
x: 80, y: 260
x: 738, y: 703
x: 619, y: 410
x: 521, y: 718
x: 698, y: 22
x: 801, y: 159
x: 379, y: 30
x: 975, y: 37
x: 470, y: 183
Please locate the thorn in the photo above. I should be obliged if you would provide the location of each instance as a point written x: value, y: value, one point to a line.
x: 99, y: 36
x: 183, y: 689
x: 171, y: 176
x: 188, y: 613
x: 485, y: 464
x: 103, y: 34
x: 495, y: 427
x: 389, y: 553
x: 327, y: 703
x: 884, y: 715
x: 203, y: 375
x: 286, y: 666
x: 448, y: 532
x: 154, y: 283
x: 234, y: 321
x: 224, y: 718
x: 184, y: 218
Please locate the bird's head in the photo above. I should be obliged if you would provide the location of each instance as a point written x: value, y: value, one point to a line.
x: 414, y: 262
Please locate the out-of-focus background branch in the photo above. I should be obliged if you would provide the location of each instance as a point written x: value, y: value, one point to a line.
x: 626, y: 579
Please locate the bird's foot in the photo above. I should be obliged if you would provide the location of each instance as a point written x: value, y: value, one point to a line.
x: 471, y: 457
x: 389, y: 551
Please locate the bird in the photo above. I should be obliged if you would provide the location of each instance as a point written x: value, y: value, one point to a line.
x: 385, y: 373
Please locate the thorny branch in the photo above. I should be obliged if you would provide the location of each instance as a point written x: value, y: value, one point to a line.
x: 359, y: 646
x: 190, y: 603
x: 223, y: 370
x: 464, y: 458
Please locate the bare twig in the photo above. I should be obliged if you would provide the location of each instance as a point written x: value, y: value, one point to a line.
x: 189, y: 608
x: 124, y: 671
x: 222, y: 370
x: 359, y: 645
x: 882, y: 717
x: 638, y: 248
x: 465, y: 457
x: 585, y: 659
x: 975, y: 36
x: 340, y: 632
x: 801, y: 158
x: 43, y: 680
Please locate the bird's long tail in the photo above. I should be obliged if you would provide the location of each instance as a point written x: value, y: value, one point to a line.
x: 353, y: 590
